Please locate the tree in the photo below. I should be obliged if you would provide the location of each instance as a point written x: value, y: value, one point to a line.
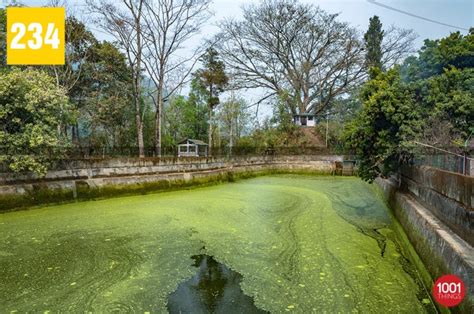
x: 32, y: 106
x: 168, y: 25
x: 296, y: 49
x: 126, y: 27
x: 184, y: 119
x: 3, y: 36
x: 285, y: 47
x: 437, y: 55
x: 450, y: 97
x: 79, y: 40
x: 213, y: 79
x: 373, y: 43
x: 382, y: 133
x: 197, y: 99
x: 443, y: 76
x: 234, y: 119
x: 397, y: 44
x: 105, y: 92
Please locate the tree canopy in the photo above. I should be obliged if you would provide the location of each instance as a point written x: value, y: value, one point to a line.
x: 302, y: 52
x: 455, y: 50
x: 296, y: 49
x: 430, y: 98
x: 212, y: 79
x: 142, y: 89
x: 373, y: 43
x: 32, y: 108
x: 386, y: 125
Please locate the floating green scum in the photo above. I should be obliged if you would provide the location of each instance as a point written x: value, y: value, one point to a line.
x: 298, y: 243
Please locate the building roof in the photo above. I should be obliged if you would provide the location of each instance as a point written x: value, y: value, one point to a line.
x: 305, y: 114
x: 191, y: 141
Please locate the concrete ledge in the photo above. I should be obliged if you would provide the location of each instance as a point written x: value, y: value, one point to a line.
x: 459, y: 218
x: 441, y: 250
x: 453, y: 185
x: 126, y: 180
x: 448, y: 196
x: 101, y: 168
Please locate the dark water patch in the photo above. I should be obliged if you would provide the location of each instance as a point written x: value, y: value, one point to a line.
x: 377, y: 236
x: 214, y: 288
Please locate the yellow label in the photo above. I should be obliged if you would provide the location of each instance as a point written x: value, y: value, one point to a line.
x: 35, y: 36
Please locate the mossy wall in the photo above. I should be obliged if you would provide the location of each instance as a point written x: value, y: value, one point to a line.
x: 438, y: 247
x: 103, y: 182
x: 448, y: 195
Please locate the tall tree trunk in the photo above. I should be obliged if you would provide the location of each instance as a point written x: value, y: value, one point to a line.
x: 231, y: 136
x: 158, y: 115
x: 209, y: 152
x: 138, y: 116
x: 210, y: 121
x: 137, y: 79
x: 159, y: 107
x: 139, y: 123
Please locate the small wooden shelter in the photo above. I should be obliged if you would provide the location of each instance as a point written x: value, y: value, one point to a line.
x: 304, y: 119
x: 192, y: 148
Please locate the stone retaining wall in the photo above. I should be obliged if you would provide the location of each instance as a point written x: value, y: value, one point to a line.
x: 100, y: 168
x: 435, y: 209
x: 448, y: 195
x: 95, y: 178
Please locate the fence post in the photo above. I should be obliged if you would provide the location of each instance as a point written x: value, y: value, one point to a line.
x: 464, y: 164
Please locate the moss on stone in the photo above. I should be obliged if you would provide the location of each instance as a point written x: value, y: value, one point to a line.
x: 41, y: 195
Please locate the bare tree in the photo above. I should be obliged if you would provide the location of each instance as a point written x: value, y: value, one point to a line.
x: 168, y: 24
x: 124, y: 23
x: 78, y: 41
x: 234, y: 118
x: 297, y: 52
x: 397, y: 44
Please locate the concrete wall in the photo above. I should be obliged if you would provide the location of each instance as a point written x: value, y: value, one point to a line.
x: 102, y: 177
x: 448, y: 195
x: 435, y: 209
x: 99, y: 168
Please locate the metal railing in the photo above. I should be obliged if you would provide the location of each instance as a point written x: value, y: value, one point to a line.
x: 451, y: 159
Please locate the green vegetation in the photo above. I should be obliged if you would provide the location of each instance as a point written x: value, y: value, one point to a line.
x: 430, y: 99
x: 301, y: 243
x: 373, y: 43
x: 32, y: 110
x: 382, y: 132
x: 3, y: 37
x: 212, y: 79
x: 369, y: 96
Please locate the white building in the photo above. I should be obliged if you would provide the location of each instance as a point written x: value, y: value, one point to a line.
x: 304, y: 119
x: 192, y: 148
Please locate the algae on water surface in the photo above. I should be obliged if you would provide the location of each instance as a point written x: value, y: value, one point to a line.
x: 300, y: 243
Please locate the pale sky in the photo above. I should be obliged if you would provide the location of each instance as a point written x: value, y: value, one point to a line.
x: 356, y: 12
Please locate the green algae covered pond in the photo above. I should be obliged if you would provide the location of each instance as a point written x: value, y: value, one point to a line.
x: 269, y: 244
